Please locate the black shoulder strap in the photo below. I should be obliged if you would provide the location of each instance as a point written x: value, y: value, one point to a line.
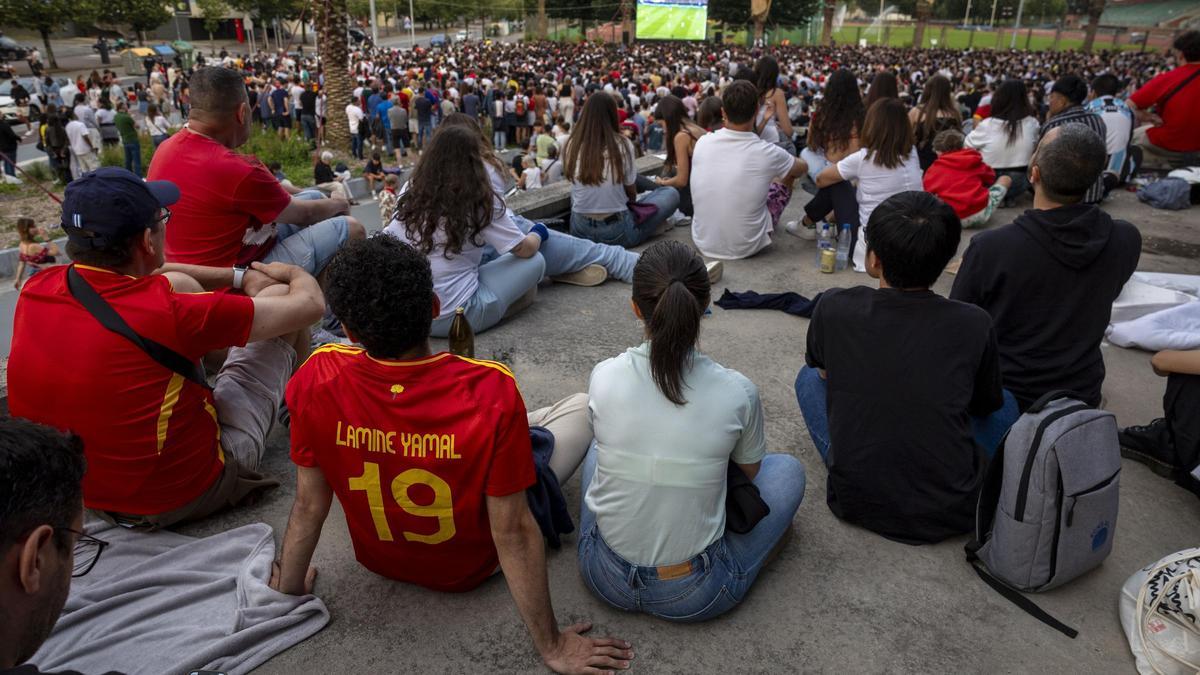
x: 989, y: 499
x: 108, y: 317
x: 1030, y: 607
x: 1162, y: 102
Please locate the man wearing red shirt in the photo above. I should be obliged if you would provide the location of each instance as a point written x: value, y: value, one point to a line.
x: 429, y: 454
x: 162, y: 447
x: 1170, y: 138
x: 232, y: 210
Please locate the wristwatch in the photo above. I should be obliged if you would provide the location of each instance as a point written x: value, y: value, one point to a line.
x: 239, y: 273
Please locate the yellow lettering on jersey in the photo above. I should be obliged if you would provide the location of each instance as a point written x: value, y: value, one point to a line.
x: 412, y: 444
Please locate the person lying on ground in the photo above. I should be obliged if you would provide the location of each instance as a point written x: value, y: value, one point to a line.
x: 386, y: 425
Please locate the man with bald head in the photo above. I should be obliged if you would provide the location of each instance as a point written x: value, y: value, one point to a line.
x: 232, y: 211
x: 1050, y: 277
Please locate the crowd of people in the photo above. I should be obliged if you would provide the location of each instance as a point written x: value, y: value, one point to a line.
x: 198, y: 331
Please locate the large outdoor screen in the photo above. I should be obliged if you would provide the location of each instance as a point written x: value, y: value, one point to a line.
x: 672, y: 19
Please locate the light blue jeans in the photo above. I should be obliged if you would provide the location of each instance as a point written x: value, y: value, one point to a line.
x: 620, y: 229
x: 501, y: 283
x: 811, y: 394
x: 565, y: 254
x: 721, y: 574
x: 312, y: 247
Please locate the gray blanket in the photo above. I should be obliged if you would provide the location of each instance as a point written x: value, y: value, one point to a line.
x: 164, y: 603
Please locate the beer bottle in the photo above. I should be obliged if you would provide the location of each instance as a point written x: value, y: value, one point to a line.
x: 462, y: 338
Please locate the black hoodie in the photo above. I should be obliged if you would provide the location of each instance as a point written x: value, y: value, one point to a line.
x: 1049, y: 280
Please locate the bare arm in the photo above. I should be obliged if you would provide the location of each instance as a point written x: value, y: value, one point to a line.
x: 683, y: 145
x: 631, y: 191
x: 851, y: 146
x: 299, y: 308
x: 751, y: 470
x: 528, y: 246
x: 1143, y: 116
x: 216, y: 278
x: 781, y: 114
x: 305, y: 212
x: 1171, y: 361
x: 523, y: 560
x: 309, y: 510
x: 828, y: 176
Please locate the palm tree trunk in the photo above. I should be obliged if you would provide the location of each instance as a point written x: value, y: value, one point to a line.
x: 827, y: 25
x: 542, y: 28
x: 331, y: 32
x: 923, y: 10
x: 1095, y: 9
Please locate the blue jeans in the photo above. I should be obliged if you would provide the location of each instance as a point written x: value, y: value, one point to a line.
x: 499, y: 136
x: 721, y: 574
x: 356, y: 146
x: 309, y: 123
x: 424, y: 131
x: 312, y: 247
x: 9, y: 167
x: 811, y: 394
x: 565, y: 254
x: 159, y: 140
x: 501, y: 283
x: 133, y: 157
x: 620, y: 229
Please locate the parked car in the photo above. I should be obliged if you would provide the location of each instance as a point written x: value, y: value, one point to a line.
x: 10, y: 50
x: 8, y: 107
x: 355, y: 35
x: 462, y: 36
x: 438, y: 40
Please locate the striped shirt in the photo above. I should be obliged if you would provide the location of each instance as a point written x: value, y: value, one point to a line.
x: 1080, y: 115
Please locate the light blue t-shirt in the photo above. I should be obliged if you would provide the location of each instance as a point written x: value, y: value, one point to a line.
x: 659, y: 488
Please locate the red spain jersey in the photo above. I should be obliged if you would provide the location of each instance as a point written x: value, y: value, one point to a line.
x: 151, y: 437
x: 412, y: 449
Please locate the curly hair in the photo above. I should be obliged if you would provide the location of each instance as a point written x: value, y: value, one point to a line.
x: 449, y: 190
x: 840, y: 113
x: 382, y: 290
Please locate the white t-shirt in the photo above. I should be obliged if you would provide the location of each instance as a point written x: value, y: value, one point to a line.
x: 665, y: 464
x: 78, y: 137
x: 455, y: 279
x: 355, y: 115
x: 990, y: 138
x: 608, y: 197
x: 875, y: 184
x: 296, y: 91
x: 731, y: 173
x: 533, y: 178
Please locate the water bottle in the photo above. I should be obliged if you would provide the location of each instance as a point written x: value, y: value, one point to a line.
x: 826, y: 239
x: 843, y: 247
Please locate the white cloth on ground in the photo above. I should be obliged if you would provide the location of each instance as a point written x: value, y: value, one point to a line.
x: 1175, y: 328
x: 161, y: 602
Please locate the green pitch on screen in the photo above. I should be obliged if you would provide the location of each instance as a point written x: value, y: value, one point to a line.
x: 666, y: 22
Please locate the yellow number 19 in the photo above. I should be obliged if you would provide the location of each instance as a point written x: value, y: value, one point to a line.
x: 442, y: 506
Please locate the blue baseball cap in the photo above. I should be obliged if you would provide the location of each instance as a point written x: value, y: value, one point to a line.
x: 111, y: 203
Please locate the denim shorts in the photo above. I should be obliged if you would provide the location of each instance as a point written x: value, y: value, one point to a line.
x: 310, y: 248
x: 699, y: 589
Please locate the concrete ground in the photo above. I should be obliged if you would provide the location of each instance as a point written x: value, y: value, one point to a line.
x: 839, y: 599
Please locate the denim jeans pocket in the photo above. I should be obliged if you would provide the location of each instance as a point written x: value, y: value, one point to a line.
x: 703, y: 602
x: 602, y: 576
x: 613, y: 233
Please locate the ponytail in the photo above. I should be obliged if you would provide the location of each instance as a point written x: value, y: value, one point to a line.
x: 671, y: 289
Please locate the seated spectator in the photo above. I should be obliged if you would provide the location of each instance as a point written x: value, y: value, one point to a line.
x: 232, y: 211
x: 906, y: 454
x: 34, y: 252
x: 531, y: 174
x: 326, y: 180
x: 541, y: 142
x: 1008, y: 136
x: 668, y: 421
x: 1118, y: 125
x: 1050, y: 277
x: 885, y: 165
x: 960, y: 178
x: 833, y: 134
x: 938, y: 112
x: 1168, y: 134
x: 1066, y: 107
x: 388, y: 198
x: 479, y: 521
x: 1170, y: 445
x: 373, y: 172
x: 42, y: 544
x: 683, y: 134
x: 162, y: 447
x: 599, y: 162
x: 726, y: 227
x: 552, y: 167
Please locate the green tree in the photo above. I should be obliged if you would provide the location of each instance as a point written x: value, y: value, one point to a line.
x: 139, y: 15
x: 212, y: 11
x: 46, y: 17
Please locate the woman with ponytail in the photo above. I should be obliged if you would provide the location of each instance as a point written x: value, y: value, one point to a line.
x: 668, y: 421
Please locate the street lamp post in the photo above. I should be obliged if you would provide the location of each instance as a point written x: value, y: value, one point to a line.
x: 412, y: 22
x: 374, y: 24
x: 1017, y: 25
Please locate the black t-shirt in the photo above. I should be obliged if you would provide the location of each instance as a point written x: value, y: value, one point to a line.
x: 906, y: 370
x: 424, y: 108
x: 308, y: 103
x: 373, y: 167
x: 322, y: 173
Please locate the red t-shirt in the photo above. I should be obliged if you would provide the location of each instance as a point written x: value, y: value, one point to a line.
x: 1179, y: 131
x: 411, y: 449
x: 227, y: 205
x: 150, y: 436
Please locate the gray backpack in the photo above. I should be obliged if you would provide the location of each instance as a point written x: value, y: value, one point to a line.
x: 1048, y: 506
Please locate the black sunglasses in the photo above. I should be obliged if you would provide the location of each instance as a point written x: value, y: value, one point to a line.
x: 87, y: 551
x: 164, y: 217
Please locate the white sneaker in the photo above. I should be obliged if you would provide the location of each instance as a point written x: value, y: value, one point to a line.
x: 715, y: 269
x: 797, y: 228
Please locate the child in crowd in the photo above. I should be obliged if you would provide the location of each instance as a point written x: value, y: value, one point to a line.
x: 960, y: 178
x: 906, y: 454
x: 387, y: 198
x: 373, y: 172
x: 531, y: 174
